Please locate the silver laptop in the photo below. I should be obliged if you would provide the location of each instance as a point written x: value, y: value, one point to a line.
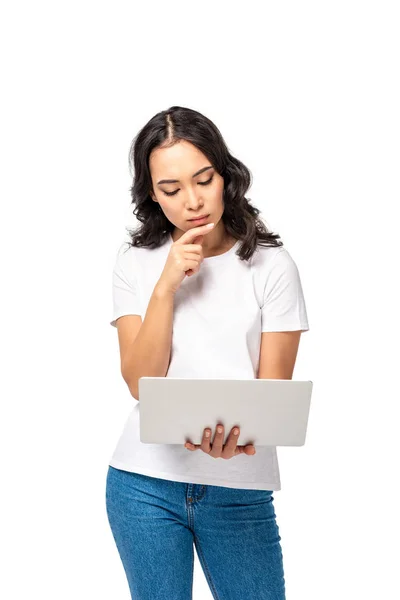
x: 269, y: 412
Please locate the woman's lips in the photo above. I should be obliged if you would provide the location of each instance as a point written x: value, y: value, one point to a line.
x: 199, y: 220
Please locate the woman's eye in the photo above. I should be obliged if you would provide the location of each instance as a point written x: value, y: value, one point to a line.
x: 200, y: 183
x: 206, y: 182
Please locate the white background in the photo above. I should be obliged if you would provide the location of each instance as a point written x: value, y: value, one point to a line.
x: 306, y: 94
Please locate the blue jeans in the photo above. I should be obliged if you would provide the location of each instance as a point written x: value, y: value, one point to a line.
x: 155, y: 522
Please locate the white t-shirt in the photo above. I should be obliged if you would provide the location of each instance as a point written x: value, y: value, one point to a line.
x: 219, y: 315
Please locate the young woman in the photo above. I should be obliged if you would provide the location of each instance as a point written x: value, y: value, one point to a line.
x: 202, y: 290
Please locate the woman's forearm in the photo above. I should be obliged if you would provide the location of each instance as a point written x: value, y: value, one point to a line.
x: 150, y: 353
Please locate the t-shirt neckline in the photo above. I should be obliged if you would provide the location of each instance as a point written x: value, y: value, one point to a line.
x: 218, y: 257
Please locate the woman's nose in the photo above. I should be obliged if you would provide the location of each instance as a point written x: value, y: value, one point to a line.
x: 193, y: 200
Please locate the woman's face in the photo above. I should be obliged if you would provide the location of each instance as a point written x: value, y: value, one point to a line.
x: 192, y: 194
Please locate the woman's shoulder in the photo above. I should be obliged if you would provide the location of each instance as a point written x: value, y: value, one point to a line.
x: 265, y: 256
x: 274, y: 261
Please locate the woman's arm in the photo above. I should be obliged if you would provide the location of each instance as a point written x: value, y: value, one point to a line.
x: 278, y: 354
x: 146, y: 353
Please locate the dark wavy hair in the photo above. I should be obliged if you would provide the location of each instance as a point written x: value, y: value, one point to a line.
x: 167, y: 128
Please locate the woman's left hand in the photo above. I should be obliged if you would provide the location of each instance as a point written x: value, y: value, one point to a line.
x: 217, y: 449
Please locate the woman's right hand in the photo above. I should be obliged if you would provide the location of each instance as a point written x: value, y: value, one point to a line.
x: 184, y: 258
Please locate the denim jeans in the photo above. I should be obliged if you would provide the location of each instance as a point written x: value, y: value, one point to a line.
x: 155, y: 523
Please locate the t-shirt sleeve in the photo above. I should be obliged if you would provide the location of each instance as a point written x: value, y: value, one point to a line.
x: 125, y: 292
x: 283, y: 306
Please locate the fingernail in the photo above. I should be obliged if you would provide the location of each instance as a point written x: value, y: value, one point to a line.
x: 207, y: 434
x: 236, y: 431
x: 219, y: 429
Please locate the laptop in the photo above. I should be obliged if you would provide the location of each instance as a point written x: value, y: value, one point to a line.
x: 269, y: 412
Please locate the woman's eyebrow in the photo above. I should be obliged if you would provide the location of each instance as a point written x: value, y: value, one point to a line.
x: 177, y: 180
